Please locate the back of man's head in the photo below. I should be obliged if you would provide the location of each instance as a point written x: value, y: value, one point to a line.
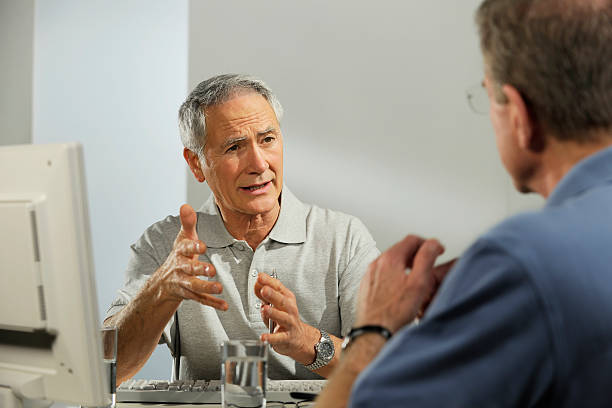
x: 558, y: 55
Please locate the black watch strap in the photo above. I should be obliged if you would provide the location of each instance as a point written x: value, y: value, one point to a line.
x: 358, y: 331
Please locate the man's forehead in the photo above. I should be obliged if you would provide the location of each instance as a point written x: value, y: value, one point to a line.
x: 244, y: 106
x: 242, y: 114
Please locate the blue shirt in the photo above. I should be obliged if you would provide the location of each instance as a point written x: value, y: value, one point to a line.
x: 523, y: 320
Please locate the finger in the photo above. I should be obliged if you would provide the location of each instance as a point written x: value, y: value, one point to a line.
x: 405, y: 250
x: 189, y: 248
x: 440, y: 271
x: 279, y: 300
x: 276, y: 338
x: 209, y: 300
x: 199, y: 286
x: 263, y: 279
x: 281, y: 318
x: 189, y: 220
x: 263, y: 317
x: 426, y: 257
x: 192, y: 292
x: 196, y: 268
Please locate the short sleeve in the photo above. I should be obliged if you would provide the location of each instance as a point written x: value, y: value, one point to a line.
x: 146, y: 256
x: 484, y: 341
x: 362, y: 250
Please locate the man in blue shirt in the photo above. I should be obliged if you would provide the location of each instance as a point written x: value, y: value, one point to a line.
x: 524, y: 318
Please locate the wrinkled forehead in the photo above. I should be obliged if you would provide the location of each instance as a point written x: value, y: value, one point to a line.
x: 245, y: 111
x: 231, y: 94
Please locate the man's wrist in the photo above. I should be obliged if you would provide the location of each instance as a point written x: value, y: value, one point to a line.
x: 356, y: 332
x: 308, y: 354
x: 362, y: 351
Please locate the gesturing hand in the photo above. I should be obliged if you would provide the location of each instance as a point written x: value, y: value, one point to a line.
x: 390, y: 297
x: 291, y: 336
x: 178, y: 278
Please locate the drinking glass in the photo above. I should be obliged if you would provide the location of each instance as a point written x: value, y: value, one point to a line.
x: 244, y: 372
x: 109, y: 349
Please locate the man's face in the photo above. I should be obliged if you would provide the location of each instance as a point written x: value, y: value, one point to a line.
x: 244, y: 155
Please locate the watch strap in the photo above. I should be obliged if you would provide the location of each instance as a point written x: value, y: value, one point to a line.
x: 358, y: 331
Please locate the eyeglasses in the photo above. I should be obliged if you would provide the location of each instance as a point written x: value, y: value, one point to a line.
x: 478, y: 99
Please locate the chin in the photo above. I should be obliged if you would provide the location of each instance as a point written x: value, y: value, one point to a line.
x: 260, y: 206
x: 522, y: 188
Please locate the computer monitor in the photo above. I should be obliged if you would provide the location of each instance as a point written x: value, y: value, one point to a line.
x: 50, y: 348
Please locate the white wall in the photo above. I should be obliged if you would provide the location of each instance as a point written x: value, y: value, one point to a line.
x: 376, y: 123
x: 111, y: 75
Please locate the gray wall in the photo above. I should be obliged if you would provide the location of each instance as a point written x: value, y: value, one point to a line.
x: 376, y: 123
x: 111, y: 74
x: 16, y: 53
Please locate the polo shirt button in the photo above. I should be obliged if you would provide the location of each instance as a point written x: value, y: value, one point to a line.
x: 254, y: 273
x: 240, y: 246
x: 258, y: 305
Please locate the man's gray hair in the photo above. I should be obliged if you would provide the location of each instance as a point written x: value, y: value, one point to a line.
x: 558, y: 55
x: 214, y: 91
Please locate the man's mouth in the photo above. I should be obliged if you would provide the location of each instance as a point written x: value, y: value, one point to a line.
x: 256, y: 187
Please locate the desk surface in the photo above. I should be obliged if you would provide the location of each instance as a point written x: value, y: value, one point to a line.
x: 155, y: 405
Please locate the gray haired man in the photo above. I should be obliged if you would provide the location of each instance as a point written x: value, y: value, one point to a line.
x: 203, y: 277
x: 523, y: 319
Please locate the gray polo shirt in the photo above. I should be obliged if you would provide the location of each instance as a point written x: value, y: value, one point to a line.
x: 319, y: 254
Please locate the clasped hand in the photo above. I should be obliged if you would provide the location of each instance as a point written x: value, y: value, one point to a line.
x: 291, y: 336
x: 177, y: 278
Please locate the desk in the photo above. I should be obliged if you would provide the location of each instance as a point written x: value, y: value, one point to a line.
x: 154, y: 405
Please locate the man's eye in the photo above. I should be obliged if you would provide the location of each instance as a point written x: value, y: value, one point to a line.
x: 268, y: 139
x: 232, y: 148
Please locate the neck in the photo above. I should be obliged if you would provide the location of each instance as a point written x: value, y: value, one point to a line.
x: 559, y: 158
x: 248, y: 227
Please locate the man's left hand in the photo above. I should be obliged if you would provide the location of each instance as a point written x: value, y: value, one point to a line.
x: 291, y: 336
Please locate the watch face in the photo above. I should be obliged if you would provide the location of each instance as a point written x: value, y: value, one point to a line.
x: 326, y: 351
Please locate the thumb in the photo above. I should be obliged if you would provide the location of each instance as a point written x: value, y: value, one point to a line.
x: 188, y: 222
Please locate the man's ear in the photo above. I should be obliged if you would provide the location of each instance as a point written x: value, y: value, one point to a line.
x: 194, y: 164
x: 523, y: 125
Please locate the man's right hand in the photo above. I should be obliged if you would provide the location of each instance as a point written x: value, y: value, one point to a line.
x: 177, y: 278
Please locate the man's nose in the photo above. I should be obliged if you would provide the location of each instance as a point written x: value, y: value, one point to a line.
x: 257, y: 160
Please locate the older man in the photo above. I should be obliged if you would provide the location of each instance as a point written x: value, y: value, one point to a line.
x: 524, y: 318
x: 196, y: 280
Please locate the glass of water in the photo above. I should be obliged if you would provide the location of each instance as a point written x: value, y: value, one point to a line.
x: 109, y: 349
x: 244, y: 371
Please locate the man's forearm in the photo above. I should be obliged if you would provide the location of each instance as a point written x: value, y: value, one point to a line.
x: 140, y: 325
x: 357, y: 357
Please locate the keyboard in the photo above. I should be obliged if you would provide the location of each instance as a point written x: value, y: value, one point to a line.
x: 209, y: 391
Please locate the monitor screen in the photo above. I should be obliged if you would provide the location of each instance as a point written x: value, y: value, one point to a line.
x: 50, y: 348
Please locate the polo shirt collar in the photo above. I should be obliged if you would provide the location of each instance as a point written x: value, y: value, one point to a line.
x: 590, y: 172
x: 290, y: 227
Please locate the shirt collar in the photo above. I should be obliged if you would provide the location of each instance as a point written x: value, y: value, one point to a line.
x: 590, y: 172
x: 290, y: 227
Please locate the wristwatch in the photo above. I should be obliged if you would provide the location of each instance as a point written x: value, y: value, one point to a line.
x: 324, y: 350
